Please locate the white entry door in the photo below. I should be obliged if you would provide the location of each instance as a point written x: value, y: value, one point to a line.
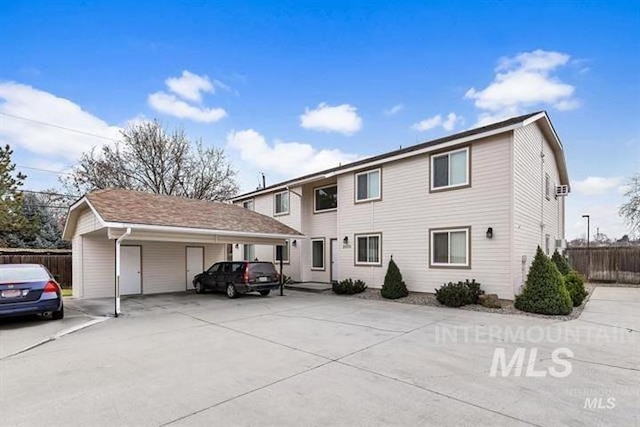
x: 130, y: 270
x: 334, y: 260
x: 195, y: 263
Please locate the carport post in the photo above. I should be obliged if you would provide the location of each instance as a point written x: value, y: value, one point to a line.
x: 118, y: 263
x: 281, y: 278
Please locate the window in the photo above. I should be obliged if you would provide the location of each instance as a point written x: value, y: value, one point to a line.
x: 229, y: 252
x: 248, y: 204
x: 249, y: 252
x: 450, y: 248
x: 547, y: 244
x: 368, y: 186
x: 368, y: 249
x: 325, y: 198
x: 281, y: 201
x: 317, y: 254
x: 547, y: 186
x: 450, y: 170
x: 285, y: 252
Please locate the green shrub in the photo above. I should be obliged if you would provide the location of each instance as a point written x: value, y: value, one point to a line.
x: 544, y: 291
x: 575, y: 285
x: 348, y: 287
x: 393, y: 286
x: 459, y: 294
x: 561, y: 262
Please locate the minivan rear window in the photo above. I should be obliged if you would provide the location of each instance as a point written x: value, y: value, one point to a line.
x: 262, y: 268
x: 23, y: 274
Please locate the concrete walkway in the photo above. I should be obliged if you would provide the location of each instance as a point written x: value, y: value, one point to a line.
x: 312, y: 359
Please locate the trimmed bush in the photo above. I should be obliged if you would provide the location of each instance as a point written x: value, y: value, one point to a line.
x: 459, y: 294
x: 393, y: 286
x: 575, y: 285
x: 348, y: 287
x: 561, y: 262
x: 544, y: 291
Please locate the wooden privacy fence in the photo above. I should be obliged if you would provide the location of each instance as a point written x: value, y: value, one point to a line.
x: 58, y: 261
x: 619, y: 264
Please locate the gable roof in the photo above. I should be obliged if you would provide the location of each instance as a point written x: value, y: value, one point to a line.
x: 122, y: 208
x: 467, y: 135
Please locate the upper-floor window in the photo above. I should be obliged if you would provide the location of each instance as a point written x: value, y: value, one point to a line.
x: 450, y: 248
x: 450, y: 170
x: 248, y: 204
x: 368, y: 186
x: 325, y: 198
x: 547, y: 186
x: 281, y: 203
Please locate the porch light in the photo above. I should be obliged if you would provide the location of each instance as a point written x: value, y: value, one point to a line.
x: 294, y: 243
x: 345, y: 240
x: 489, y: 233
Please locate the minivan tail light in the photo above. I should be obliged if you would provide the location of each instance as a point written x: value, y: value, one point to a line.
x: 51, y: 286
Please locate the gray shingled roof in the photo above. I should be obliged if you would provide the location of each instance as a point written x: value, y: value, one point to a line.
x: 136, y: 207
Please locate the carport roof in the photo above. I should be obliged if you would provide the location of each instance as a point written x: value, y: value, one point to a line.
x: 124, y: 207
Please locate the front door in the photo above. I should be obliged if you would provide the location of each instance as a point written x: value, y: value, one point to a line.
x: 334, y: 260
x: 195, y: 263
x: 130, y: 270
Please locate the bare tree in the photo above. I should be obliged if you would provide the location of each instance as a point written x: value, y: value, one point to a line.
x: 151, y: 159
x: 630, y: 211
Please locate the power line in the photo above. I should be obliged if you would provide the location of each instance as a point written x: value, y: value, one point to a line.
x: 44, y: 170
x: 58, y: 126
x: 49, y: 193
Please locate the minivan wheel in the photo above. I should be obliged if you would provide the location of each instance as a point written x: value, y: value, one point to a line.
x: 231, y: 291
x: 265, y: 292
x: 199, y: 288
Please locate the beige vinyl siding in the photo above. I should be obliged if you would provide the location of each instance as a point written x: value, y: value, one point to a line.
x: 531, y: 208
x: 87, y: 222
x: 408, y: 210
x: 321, y: 225
x: 98, y: 266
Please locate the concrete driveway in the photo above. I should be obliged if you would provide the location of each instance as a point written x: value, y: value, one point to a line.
x: 309, y: 359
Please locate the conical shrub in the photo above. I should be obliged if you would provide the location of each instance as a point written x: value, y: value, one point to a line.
x: 544, y: 291
x: 393, y: 286
x: 561, y: 262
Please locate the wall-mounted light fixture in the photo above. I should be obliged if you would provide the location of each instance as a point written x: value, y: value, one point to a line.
x: 345, y: 241
x: 489, y: 233
x: 294, y: 243
x: 237, y: 246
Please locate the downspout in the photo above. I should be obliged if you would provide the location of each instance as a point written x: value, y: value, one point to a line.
x: 117, y: 289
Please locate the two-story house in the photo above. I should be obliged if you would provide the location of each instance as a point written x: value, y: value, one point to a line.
x: 471, y: 205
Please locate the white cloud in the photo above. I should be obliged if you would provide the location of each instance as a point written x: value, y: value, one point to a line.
x: 280, y: 160
x: 25, y: 101
x: 429, y: 123
x: 190, y: 86
x: 170, y: 104
x: 523, y: 82
x: 595, y: 185
x: 394, y: 110
x: 325, y: 118
x: 186, y: 99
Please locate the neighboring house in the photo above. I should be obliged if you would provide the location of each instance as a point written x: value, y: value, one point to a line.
x: 158, y: 242
x: 472, y: 205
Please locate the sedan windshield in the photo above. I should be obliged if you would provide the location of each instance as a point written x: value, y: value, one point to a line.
x: 22, y: 274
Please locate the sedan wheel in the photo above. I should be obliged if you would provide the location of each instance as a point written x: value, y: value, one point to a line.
x: 231, y: 291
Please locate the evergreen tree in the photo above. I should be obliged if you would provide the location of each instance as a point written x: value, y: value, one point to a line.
x: 544, y: 291
x: 561, y: 262
x: 12, y: 218
x: 393, y: 286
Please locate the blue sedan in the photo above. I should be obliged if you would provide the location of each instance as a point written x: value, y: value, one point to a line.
x: 29, y: 289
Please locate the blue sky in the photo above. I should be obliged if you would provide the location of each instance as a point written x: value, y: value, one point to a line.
x: 291, y: 86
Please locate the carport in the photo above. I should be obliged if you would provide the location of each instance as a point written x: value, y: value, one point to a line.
x: 129, y: 242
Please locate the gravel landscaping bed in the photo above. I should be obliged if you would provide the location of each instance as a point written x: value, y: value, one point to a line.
x: 428, y: 299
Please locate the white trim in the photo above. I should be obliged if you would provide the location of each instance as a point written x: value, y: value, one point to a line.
x: 253, y: 204
x: 368, y: 235
x: 275, y: 204
x: 355, y: 185
x: 449, y: 231
x: 324, y: 253
x: 322, y: 188
x: 207, y: 231
x: 73, y: 207
x: 448, y: 154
